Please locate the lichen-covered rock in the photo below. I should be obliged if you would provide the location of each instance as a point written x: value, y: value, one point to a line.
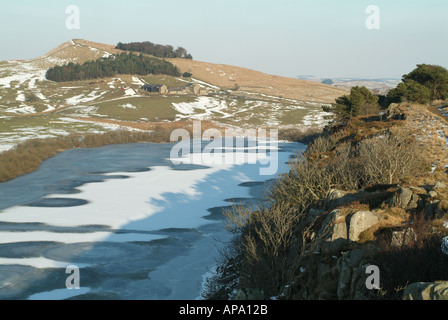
x: 335, y: 228
x: 351, y: 269
x: 426, y: 291
x: 404, y: 198
x: 336, y: 198
x: 439, y: 185
x: 403, y: 237
x: 361, y: 221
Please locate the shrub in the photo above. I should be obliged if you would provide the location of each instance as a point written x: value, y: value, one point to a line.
x: 388, y: 158
x: 273, y: 240
x: 360, y: 102
x: 31, y: 97
x: 410, y: 91
x: 271, y: 243
x: 420, y: 259
x: 224, y: 279
x: 433, y: 77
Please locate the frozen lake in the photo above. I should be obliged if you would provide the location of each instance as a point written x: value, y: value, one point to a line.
x: 136, y: 225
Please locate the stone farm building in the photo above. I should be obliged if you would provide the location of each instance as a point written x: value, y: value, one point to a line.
x: 190, y: 88
x: 155, y: 88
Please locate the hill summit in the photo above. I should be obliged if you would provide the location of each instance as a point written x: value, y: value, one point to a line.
x: 228, y: 96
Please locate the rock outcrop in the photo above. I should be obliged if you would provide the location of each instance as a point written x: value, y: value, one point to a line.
x: 343, y: 228
x: 404, y: 198
x: 339, y: 268
x: 426, y: 291
x: 361, y: 221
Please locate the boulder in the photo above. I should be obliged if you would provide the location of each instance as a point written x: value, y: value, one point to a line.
x: 351, y: 275
x: 336, y: 198
x: 335, y: 228
x: 432, y: 194
x: 440, y: 185
x: 426, y: 291
x: 403, y: 237
x: 361, y: 221
x: 404, y: 198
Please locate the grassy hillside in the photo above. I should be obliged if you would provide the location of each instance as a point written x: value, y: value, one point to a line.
x: 33, y: 107
x: 230, y: 77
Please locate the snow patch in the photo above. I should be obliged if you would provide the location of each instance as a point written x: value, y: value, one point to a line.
x: 129, y: 92
x: 137, y: 81
x: 208, y: 104
x: 82, y: 98
x: 128, y: 106
x: 202, y: 83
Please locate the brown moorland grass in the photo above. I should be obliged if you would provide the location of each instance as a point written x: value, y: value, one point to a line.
x: 244, y: 79
x: 28, y: 156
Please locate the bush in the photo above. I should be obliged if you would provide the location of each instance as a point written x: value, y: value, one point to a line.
x: 223, y: 281
x: 410, y: 91
x: 420, y: 259
x: 271, y: 243
x: 360, y: 102
x: 433, y: 77
x: 187, y: 75
x: 31, y: 97
x: 388, y: 158
x: 275, y: 239
x: 157, y: 50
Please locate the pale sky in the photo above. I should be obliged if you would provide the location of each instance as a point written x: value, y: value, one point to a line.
x: 325, y: 38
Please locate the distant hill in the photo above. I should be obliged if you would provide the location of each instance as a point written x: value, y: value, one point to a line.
x: 254, y: 81
x: 76, y: 51
x: 224, y: 76
x: 31, y: 106
x: 377, y: 85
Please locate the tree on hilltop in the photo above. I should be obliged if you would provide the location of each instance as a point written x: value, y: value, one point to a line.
x: 433, y: 77
x: 409, y: 90
x: 422, y: 85
x: 360, y: 101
